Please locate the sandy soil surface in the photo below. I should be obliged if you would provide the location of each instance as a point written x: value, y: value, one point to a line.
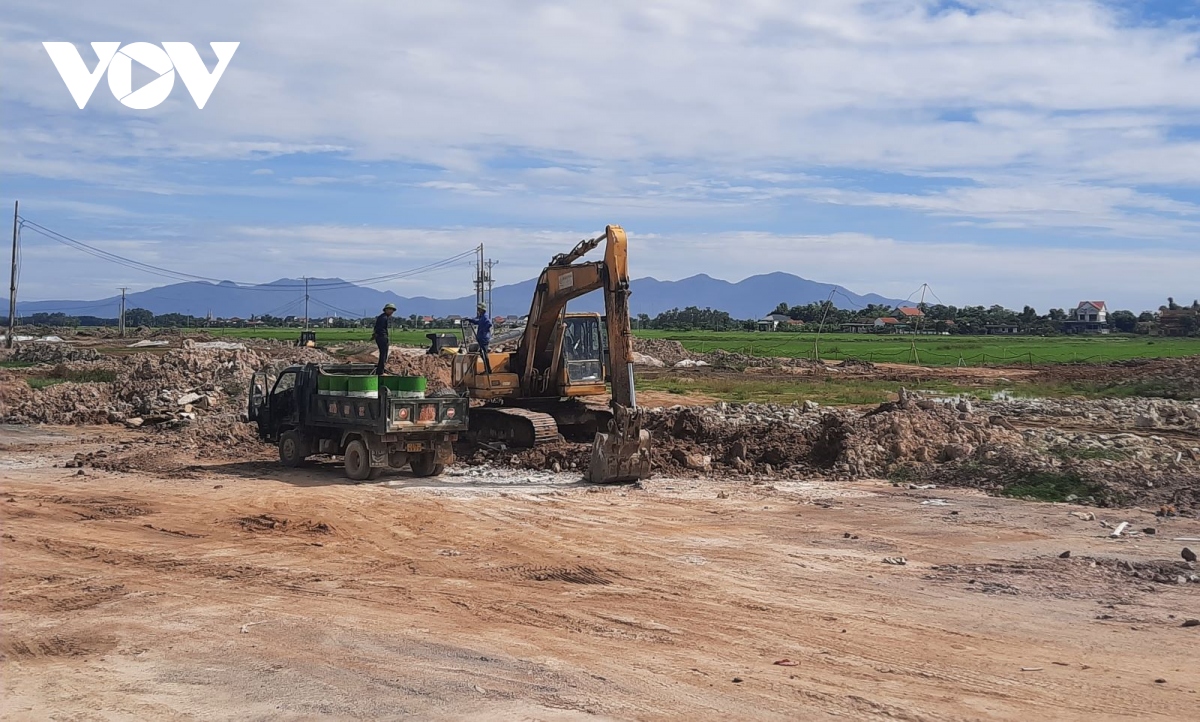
x: 244, y: 590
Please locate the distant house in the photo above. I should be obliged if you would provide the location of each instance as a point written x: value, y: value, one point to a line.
x: 908, y: 313
x: 771, y: 322
x: 858, y: 327
x: 794, y: 323
x: 1088, y: 317
x: 455, y: 319
x: 1002, y: 329
x: 499, y: 320
x: 427, y: 320
x: 887, y: 324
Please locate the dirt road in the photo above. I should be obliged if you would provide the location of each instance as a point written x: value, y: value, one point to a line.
x: 243, y: 590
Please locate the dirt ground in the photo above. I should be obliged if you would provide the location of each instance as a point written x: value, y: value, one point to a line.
x: 245, y: 590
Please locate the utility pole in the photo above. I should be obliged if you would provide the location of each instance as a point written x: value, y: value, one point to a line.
x: 121, y: 321
x: 12, y: 286
x: 480, y: 283
x: 490, y: 282
x: 306, y: 303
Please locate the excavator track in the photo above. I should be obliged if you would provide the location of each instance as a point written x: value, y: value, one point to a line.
x: 520, y: 428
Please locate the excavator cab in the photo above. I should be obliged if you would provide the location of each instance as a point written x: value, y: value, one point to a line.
x: 583, y: 348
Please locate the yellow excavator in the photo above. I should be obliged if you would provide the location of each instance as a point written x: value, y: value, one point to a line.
x: 548, y: 386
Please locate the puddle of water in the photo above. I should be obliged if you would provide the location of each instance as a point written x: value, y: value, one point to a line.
x: 1002, y: 395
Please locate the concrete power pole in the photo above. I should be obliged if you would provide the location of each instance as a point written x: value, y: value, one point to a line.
x: 121, y: 320
x: 306, y: 303
x: 12, y: 286
x: 490, y: 282
x: 480, y: 283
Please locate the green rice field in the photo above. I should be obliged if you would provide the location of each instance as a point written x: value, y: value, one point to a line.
x: 926, y: 350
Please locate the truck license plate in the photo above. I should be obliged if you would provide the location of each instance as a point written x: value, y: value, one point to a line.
x: 414, y: 447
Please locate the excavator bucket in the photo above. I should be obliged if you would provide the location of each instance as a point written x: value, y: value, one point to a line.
x: 623, y: 453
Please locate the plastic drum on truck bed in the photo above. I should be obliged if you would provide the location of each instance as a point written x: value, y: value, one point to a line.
x: 412, y: 387
x: 362, y: 386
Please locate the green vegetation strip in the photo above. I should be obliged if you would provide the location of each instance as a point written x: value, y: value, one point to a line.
x: 1052, y: 486
x: 935, y: 350
x: 60, y: 375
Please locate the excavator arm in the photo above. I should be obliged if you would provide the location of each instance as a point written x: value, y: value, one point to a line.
x: 622, y: 453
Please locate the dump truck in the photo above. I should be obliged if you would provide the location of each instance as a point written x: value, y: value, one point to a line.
x: 372, y: 422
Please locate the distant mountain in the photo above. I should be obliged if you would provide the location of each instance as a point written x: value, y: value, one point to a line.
x: 752, y: 297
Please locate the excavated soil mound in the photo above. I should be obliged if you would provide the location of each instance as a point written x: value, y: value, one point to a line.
x: 919, y: 431
x: 435, y: 369
x: 699, y: 439
x: 1177, y: 378
x: 669, y: 352
x: 51, y: 353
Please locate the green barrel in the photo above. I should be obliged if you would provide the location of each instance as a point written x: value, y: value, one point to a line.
x: 362, y: 386
x: 405, y: 386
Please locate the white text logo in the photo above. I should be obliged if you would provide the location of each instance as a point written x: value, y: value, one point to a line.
x: 118, y: 61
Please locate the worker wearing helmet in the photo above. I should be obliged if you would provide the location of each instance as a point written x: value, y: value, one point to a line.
x: 483, y: 335
x: 381, y: 338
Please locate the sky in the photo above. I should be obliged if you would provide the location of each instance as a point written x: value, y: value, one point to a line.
x: 1015, y: 152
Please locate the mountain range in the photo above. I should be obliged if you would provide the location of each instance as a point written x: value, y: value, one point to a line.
x: 752, y: 297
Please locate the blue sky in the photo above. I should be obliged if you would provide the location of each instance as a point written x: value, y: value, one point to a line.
x: 1003, y: 152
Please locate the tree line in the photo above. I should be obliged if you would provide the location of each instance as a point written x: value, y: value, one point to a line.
x: 824, y: 314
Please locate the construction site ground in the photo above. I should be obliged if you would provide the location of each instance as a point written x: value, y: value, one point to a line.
x: 240, y: 589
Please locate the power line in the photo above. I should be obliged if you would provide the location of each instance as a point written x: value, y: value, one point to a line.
x: 224, y: 283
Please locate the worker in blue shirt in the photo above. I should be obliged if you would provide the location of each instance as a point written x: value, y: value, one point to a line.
x: 483, y: 335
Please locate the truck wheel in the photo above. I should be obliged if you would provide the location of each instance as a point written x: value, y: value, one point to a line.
x: 292, y: 449
x: 426, y: 465
x: 357, y: 461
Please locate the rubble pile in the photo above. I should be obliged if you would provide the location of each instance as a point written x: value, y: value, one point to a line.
x: 911, y: 430
x: 1133, y: 413
x: 668, y: 352
x: 856, y: 363
x: 174, y: 388
x: 435, y: 369
x: 51, y: 353
x: 65, y: 403
x: 746, y: 438
x: 558, y: 457
x: 723, y: 359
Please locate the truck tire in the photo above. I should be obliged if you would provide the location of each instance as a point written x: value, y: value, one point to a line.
x: 292, y: 449
x: 426, y: 465
x: 357, y: 461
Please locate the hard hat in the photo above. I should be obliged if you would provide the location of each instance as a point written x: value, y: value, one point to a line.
x: 481, y: 307
x: 389, y: 307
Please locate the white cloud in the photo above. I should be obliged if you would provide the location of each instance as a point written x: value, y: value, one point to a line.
x: 1073, y: 120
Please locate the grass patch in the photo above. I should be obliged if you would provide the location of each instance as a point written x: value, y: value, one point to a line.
x: 15, y: 364
x: 826, y: 391
x: 1097, y: 454
x: 62, y: 375
x: 902, y: 474
x: 1051, y: 486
